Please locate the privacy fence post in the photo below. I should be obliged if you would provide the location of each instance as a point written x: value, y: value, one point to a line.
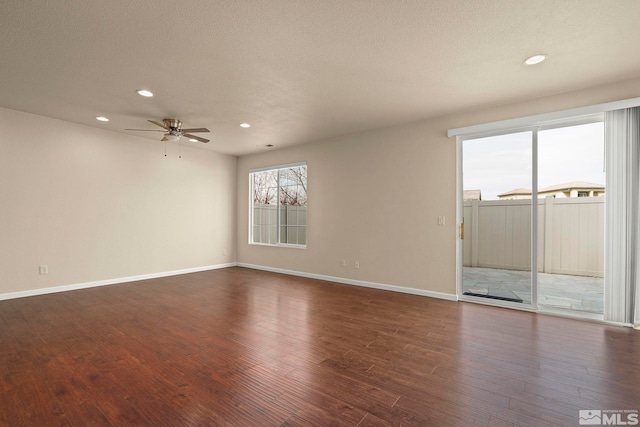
x: 548, y: 234
x: 474, y: 232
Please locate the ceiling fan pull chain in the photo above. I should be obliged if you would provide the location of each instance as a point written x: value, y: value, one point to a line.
x: 165, y: 148
x: 180, y: 148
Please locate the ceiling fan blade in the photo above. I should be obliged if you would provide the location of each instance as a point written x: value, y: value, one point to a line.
x: 158, y: 124
x: 147, y: 130
x: 195, y: 137
x: 196, y: 130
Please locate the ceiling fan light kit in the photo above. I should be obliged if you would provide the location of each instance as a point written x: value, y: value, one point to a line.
x: 171, y: 138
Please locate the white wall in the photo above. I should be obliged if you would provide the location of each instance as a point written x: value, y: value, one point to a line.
x: 368, y: 202
x: 98, y: 205
x: 375, y: 197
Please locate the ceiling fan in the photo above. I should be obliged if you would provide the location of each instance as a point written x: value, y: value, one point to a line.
x: 174, y: 131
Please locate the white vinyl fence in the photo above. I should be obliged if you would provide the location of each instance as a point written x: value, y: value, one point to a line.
x: 570, y: 235
x: 293, y: 224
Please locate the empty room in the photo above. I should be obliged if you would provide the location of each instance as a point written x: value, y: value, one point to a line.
x: 319, y: 213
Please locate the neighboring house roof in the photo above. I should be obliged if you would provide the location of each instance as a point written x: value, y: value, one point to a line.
x: 471, y: 195
x: 516, y: 192
x: 567, y: 186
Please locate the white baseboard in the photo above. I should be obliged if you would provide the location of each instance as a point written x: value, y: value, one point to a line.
x: 413, y: 291
x: 64, y: 288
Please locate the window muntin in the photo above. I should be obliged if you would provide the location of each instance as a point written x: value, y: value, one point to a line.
x: 279, y: 205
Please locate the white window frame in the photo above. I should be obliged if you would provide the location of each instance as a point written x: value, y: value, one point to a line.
x: 251, y: 208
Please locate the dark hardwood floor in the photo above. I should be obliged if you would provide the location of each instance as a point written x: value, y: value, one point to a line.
x: 238, y: 347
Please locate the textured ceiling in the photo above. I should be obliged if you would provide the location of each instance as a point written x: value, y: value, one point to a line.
x: 301, y: 70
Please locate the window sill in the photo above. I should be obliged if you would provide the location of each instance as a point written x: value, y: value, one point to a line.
x: 279, y: 245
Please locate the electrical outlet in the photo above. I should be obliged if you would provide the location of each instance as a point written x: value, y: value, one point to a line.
x: 224, y: 252
x: 43, y: 269
x: 343, y: 263
x: 441, y: 220
x: 356, y: 264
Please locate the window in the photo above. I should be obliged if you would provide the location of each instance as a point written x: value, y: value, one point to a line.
x: 279, y: 205
x: 583, y: 194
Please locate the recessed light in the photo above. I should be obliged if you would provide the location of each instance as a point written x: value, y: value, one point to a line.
x: 245, y: 125
x: 144, y: 92
x: 535, y: 59
x: 102, y: 119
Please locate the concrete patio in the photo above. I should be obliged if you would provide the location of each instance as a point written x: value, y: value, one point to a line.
x: 577, y: 293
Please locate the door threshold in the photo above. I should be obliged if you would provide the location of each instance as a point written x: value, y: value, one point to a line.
x: 573, y: 314
x: 496, y: 297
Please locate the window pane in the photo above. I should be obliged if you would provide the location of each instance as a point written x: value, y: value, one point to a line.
x: 292, y: 237
x: 497, y: 188
x: 293, y: 186
x: 571, y: 267
x: 292, y: 215
x: 265, y: 187
x: 257, y: 238
x: 279, y: 204
x: 272, y: 215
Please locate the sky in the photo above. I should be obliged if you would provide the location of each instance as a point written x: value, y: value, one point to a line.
x: 502, y: 163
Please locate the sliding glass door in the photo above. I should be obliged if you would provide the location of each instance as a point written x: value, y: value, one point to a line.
x: 533, y: 218
x: 571, y: 188
x: 497, y: 183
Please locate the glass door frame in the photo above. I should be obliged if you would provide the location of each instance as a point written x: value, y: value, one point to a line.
x: 533, y: 306
x: 534, y: 129
x: 539, y: 121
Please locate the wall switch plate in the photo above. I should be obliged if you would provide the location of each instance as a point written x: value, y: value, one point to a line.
x: 356, y: 264
x: 440, y: 220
